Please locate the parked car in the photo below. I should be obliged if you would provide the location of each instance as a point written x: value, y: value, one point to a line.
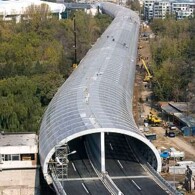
x: 171, y: 134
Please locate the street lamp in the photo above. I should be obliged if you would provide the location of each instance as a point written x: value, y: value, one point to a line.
x: 73, y: 152
x: 58, y: 160
x: 75, y: 42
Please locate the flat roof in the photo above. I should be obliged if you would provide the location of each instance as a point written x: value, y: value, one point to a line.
x: 18, y: 139
x: 188, y: 120
x: 180, y: 106
x: 175, y: 107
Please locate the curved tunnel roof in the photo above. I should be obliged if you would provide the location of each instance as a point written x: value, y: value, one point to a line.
x: 98, y: 94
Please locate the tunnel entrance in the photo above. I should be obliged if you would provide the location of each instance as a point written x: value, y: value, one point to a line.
x: 113, y: 153
x: 120, y: 158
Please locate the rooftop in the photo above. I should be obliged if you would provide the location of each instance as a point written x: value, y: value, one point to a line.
x: 18, y: 139
x: 175, y: 107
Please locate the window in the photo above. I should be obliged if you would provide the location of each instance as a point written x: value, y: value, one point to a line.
x: 7, y: 157
x: 10, y: 157
x: 28, y: 157
x: 15, y: 157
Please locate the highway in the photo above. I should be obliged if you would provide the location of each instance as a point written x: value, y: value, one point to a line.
x: 121, y: 165
x: 82, y: 179
x: 125, y: 170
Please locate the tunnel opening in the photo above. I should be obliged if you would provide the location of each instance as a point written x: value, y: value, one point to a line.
x: 145, y: 153
x: 125, y: 152
x: 105, y: 152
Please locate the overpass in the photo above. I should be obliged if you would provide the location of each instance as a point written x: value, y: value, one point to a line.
x: 91, y: 114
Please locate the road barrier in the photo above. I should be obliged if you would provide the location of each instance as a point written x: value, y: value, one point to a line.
x: 104, y: 177
x: 56, y: 183
x: 169, y: 187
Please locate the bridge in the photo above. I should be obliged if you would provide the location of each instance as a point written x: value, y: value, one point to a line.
x: 89, y: 142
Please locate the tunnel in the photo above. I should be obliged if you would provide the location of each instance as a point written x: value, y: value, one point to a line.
x: 94, y: 106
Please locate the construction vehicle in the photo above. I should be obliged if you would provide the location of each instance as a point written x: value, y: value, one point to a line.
x: 154, y: 120
x: 148, y: 77
x: 172, y: 153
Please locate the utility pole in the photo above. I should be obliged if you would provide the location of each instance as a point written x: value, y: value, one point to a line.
x: 75, y: 43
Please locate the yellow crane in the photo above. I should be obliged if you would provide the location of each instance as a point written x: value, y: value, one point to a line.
x: 148, y: 77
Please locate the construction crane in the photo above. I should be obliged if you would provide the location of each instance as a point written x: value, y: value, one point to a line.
x: 148, y: 77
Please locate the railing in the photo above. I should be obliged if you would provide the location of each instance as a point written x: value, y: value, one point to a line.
x: 108, y: 182
x: 153, y: 172
x: 104, y: 177
x: 56, y: 183
x: 169, y: 187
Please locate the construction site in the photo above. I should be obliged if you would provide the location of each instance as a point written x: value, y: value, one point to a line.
x: 176, y: 149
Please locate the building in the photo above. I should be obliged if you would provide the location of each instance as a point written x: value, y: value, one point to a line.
x: 148, y: 9
x: 15, y: 10
x: 177, y: 112
x: 160, y: 8
x: 183, y: 9
x: 19, y: 173
x: 18, y: 151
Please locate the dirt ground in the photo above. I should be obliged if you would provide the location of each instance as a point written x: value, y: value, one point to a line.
x: 142, y: 107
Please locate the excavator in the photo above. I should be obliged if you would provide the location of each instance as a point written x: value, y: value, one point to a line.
x: 148, y: 77
x: 153, y: 119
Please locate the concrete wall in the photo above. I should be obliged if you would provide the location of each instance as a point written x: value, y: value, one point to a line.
x: 94, y: 143
x: 20, y: 182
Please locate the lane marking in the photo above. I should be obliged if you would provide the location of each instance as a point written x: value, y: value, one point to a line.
x: 120, y: 164
x: 74, y: 167
x: 136, y: 185
x: 111, y: 146
x: 130, y: 177
x: 96, y: 178
x: 85, y: 188
x: 80, y: 179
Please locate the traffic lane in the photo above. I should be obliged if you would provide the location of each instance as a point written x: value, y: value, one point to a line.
x: 149, y: 185
x: 96, y: 187
x: 132, y: 168
x: 80, y: 169
x: 141, y: 186
x: 124, y: 168
x: 92, y: 187
x: 127, y: 187
x: 74, y: 187
x: 79, y: 164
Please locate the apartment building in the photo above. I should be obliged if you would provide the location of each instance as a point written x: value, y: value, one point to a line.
x: 148, y: 9
x: 160, y: 8
x: 183, y: 10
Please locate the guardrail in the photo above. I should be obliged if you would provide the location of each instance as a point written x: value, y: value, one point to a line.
x: 169, y: 187
x: 104, y: 177
x: 108, y: 181
x: 56, y: 183
x: 153, y: 172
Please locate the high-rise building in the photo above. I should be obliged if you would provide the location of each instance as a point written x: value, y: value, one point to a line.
x: 160, y: 8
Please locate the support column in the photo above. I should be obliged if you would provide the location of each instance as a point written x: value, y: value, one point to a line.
x: 103, y: 169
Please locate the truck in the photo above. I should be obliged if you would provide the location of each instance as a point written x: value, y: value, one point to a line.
x: 172, y: 153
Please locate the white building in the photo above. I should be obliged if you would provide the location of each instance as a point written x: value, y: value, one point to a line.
x: 15, y: 9
x: 148, y: 9
x: 183, y: 10
x: 161, y: 9
x: 18, y: 151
